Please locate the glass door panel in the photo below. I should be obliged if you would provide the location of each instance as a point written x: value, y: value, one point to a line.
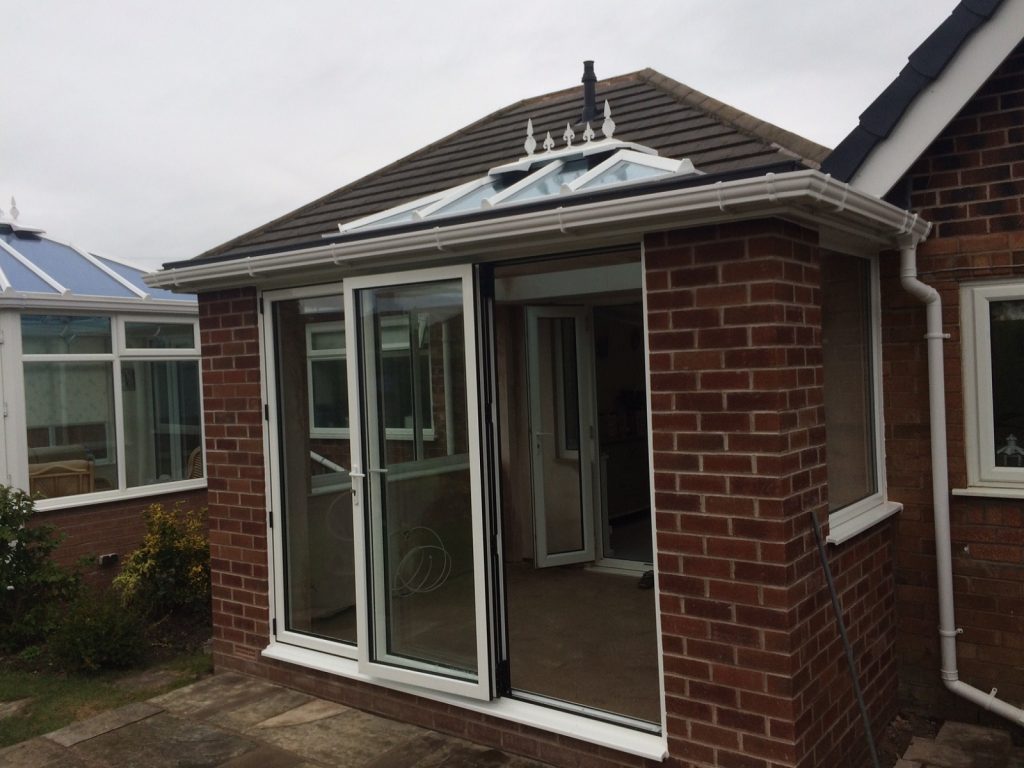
x: 561, y: 435
x: 313, y: 509
x: 420, y: 499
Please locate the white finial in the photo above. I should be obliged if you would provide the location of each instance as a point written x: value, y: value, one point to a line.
x: 14, y: 209
x: 588, y: 134
x: 569, y: 135
x: 549, y: 143
x: 531, y: 143
x: 608, y: 126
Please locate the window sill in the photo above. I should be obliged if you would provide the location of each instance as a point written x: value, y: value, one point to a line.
x: 598, y: 732
x: 105, y: 497
x: 990, y: 492
x: 856, y: 525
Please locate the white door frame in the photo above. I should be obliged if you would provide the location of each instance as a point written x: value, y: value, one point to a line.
x: 584, y: 378
x: 373, y: 655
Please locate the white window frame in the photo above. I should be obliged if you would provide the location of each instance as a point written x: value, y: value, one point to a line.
x: 18, y: 464
x: 853, y: 519
x: 984, y: 477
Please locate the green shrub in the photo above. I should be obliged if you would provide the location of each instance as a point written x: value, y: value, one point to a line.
x: 33, y: 588
x: 170, y: 572
x: 98, y: 633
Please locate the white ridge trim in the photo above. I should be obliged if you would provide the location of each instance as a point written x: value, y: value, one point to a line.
x: 110, y: 273
x: 45, y: 277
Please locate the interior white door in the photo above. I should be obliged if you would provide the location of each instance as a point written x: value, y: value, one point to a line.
x: 560, y: 374
x: 416, y: 455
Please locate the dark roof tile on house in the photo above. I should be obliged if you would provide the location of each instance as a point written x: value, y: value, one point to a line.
x: 923, y: 67
x: 648, y: 108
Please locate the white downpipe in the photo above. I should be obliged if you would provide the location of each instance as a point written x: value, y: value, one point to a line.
x: 940, y: 489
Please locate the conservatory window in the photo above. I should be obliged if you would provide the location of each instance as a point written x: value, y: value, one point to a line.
x: 993, y: 340
x: 111, y: 404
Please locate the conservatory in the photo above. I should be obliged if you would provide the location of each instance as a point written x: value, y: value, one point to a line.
x: 99, y: 376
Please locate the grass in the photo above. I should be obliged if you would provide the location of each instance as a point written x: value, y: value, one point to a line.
x: 58, y: 699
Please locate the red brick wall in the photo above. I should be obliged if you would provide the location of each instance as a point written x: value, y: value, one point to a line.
x: 970, y: 182
x: 755, y: 674
x: 110, y: 528
x: 233, y: 408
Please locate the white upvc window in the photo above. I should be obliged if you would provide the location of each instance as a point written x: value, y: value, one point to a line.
x: 992, y: 317
x: 106, y: 406
x: 851, y: 360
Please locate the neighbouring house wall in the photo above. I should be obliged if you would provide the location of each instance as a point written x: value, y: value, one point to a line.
x: 115, y: 527
x: 970, y: 183
x: 755, y: 674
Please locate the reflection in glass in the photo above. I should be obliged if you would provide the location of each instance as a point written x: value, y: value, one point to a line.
x: 551, y: 183
x: 159, y: 335
x: 316, y: 498
x: 162, y: 427
x: 69, y: 408
x: 65, y: 335
x: 422, y: 547
x: 624, y: 170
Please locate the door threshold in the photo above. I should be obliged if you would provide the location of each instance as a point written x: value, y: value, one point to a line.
x: 620, y: 567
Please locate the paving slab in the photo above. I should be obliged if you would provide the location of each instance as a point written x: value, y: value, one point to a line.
x: 103, y: 723
x: 989, y: 747
x: 352, y: 738
x: 265, y: 756
x: 40, y: 753
x: 231, y: 700
x: 433, y: 750
x: 164, y: 741
x: 310, y: 712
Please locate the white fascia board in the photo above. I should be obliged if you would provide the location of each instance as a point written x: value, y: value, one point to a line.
x: 805, y: 196
x: 937, y: 105
x: 41, y: 301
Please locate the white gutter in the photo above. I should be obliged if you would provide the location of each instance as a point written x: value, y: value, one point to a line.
x: 948, y: 630
x: 802, y: 195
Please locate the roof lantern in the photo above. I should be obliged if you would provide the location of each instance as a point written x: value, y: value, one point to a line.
x: 584, y: 163
x: 36, y: 267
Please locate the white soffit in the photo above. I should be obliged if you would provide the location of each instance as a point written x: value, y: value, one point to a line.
x: 938, y: 104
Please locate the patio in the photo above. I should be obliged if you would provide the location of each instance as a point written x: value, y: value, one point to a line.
x: 233, y: 721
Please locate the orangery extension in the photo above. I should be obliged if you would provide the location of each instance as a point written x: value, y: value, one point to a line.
x: 568, y: 432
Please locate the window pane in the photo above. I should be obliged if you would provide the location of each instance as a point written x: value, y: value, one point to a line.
x: 69, y: 408
x: 1007, y: 336
x: 64, y: 335
x: 159, y: 335
x: 849, y: 406
x: 420, y: 528
x: 162, y: 427
x: 316, y: 498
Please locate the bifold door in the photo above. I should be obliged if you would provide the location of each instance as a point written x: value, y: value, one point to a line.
x: 416, y: 460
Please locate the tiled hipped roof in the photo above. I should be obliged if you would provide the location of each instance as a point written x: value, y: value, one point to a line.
x: 648, y: 108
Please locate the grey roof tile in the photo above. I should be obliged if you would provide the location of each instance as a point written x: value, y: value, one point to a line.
x: 647, y: 107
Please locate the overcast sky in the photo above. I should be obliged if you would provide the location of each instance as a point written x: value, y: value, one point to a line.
x: 152, y: 131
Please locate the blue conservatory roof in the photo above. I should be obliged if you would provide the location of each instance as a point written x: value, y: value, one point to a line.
x: 34, y: 266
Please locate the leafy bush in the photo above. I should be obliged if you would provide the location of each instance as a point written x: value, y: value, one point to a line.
x: 170, y: 572
x: 99, y: 633
x: 33, y: 588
